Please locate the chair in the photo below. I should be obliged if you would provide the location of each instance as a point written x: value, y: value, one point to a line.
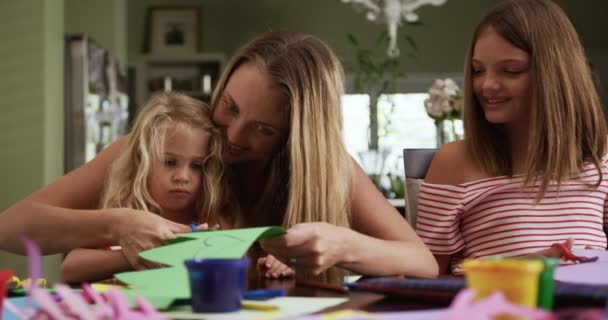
x: 416, y: 163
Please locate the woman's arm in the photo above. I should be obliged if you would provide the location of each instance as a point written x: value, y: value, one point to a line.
x: 384, y: 243
x: 62, y: 216
x: 380, y: 242
x: 90, y: 265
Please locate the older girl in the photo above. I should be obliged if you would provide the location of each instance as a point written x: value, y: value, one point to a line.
x: 533, y: 165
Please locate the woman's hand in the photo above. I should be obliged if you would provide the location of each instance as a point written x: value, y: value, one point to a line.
x: 315, y: 246
x: 273, y: 268
x: 137, y: 230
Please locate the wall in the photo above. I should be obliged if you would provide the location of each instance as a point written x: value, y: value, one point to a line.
x: 31, y: 108
x: 441, y: 41
x: 105, y: 21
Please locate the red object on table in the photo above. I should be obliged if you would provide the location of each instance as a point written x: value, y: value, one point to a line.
x: 567, y: 255
x: 5, y: 275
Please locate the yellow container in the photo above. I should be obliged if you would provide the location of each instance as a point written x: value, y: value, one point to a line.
x: 517, y: 279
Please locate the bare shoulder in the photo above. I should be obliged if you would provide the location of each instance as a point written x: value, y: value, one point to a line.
x: 450, y: 164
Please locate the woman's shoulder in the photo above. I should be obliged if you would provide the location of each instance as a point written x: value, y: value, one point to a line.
x: 452, y: 165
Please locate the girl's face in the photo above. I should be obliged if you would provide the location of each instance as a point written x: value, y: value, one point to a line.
x: 501, y: 79
x: 253, y: 115
x: 174, y: 181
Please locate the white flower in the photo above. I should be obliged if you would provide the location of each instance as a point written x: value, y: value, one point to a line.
x: 444, y: 99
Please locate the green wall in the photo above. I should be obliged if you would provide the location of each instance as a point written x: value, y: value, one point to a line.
x: 31, y: 111
x: 104, y: 20
x: 442, y: 40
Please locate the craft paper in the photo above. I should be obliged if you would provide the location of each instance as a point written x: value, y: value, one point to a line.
x: 432, y: 314
x: 288, y: 308
x: 163, y: 286
x: 210, y: 244
x: 585, y: 273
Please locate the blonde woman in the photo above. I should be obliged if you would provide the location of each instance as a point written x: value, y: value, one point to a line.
x: 278, y: 105
x: 532, y: 169
x: 171, y: 166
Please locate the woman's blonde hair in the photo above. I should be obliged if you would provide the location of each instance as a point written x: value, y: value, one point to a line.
x: 567, y: 125
x: 310, y: 175
x: 127, y: 184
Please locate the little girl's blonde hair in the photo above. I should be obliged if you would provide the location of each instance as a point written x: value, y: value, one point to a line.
x: 127, y: 183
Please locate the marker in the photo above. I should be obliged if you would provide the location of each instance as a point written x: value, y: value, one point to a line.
x: 254, y: 305
x: 322, y: 285
x: 194, y: 228
x: 263, y: 294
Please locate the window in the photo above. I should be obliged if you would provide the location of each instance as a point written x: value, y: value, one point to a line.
x: 407, y: 125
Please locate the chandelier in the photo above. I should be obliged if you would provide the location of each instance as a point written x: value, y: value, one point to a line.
x: 391, y: 12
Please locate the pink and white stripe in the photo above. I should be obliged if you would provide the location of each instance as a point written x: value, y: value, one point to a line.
x: 498, y: 216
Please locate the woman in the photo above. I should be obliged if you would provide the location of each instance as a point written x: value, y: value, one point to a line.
x: 278, y: 103
x: 533, y: 165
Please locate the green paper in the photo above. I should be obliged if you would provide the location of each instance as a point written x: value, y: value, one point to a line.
x: 210, y: 244
x: 163, y: 286
x: 170, y: 281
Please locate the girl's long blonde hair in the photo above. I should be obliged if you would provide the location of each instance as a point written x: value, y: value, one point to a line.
x: 127, y: 184
x: 310, y: 176
x: 567, y: 123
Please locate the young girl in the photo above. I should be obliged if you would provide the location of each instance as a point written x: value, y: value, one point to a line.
x: 171, y: 166
x: 533, y: 165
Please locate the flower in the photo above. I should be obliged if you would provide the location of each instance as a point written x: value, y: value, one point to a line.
x: 445, y: 100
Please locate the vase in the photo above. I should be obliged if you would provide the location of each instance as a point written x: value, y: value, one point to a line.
x: 448, y: 131
x: 441, y: 136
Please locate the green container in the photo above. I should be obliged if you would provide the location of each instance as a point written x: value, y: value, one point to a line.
x: 546, y: 284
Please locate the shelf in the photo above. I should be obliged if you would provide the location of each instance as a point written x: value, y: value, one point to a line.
x: 193, y: 74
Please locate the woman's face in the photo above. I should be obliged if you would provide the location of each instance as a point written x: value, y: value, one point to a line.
x: 501, y: 79
x: 253, y: 115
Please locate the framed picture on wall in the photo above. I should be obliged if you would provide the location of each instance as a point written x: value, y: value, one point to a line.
x: 173, y: 30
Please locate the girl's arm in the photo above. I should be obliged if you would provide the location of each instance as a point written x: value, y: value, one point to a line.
x: 90, y: 265
x: 62, y: 216
x: 450, y: 166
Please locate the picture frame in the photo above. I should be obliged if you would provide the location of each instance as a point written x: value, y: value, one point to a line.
x: 173, y: 30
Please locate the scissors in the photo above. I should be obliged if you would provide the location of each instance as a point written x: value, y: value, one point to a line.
x: 567, y: 255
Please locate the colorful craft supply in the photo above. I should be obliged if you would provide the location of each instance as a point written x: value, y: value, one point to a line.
x: 5, y: 275
x: 517, y: 279
x: 217, y: 285
x: 468, y: 305
x: 546, y: 284
x: 263, y: 294
x: 567, y: 255
x: 67, y: 304
x: 257, y: 305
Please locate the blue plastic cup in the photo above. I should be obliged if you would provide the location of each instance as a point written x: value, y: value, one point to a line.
x: 217, y: 285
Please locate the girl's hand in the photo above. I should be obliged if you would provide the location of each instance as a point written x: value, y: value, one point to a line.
x: 137, y: 230
x: 554, y: 252
x: 315, y: 246
x: 273, y: 268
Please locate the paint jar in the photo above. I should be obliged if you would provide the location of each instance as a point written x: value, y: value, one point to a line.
x: 546, y: 284
x: 517, y: 279
x: 5, y: 275
x: 217, y: 285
